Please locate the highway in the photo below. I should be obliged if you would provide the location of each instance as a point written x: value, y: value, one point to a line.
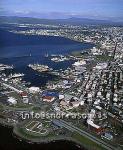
x: 86, y: 134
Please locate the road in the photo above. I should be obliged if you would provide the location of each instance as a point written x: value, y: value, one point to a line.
x: 11, y: 87
x: 86, y: 134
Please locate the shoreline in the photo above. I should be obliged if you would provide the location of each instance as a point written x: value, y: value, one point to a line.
x: 50, y: 140
x: 46, y: 141
x: 20, y: 137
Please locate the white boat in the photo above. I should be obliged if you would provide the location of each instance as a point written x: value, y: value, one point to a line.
x: 59, y: 59
x: 46, y: 55
x: 16, y: 75
x: 3, y: 67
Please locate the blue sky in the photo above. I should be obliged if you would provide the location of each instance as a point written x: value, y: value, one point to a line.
x: 99, y: 9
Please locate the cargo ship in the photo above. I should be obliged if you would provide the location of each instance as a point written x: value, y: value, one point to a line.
x: 40, y: 68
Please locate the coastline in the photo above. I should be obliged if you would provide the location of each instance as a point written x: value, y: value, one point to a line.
x: 46, y: 141
x: 51, y: 139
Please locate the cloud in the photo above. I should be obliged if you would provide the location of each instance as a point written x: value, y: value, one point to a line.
x: 63, y: 8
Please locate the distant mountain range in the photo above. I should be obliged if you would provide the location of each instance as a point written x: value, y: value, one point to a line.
x: 72, y: 21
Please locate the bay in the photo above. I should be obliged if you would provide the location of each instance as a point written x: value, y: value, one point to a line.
x: 16, y: 49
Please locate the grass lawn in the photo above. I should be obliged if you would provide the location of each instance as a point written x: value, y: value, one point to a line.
x: 103, y: 58
x: 28, y: 134
x: 1, y: 107
x: 86, y: 142
x: 19, y: 105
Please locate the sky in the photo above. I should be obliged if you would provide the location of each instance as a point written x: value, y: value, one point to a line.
x: 95, y: 9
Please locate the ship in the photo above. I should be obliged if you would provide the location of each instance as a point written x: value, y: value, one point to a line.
x: 55, y: 59
x: 60, y: 58
x: 3, y: 67
x: 40, y: 68
x: 16, y: 75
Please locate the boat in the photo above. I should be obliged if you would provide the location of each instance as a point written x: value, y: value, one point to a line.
x: 30, y: 55
x: 55, y: 59
x: 16, y: 75
x: 60, y: 58
x: 3, y: 67
x: 40, y: 68
x: 46, y: 55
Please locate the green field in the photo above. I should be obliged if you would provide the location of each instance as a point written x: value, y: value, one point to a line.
x: 86, y: 142
x: 27, y: 134
x: 103, y: 58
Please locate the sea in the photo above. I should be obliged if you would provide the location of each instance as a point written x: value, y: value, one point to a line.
x: 8, y: 141
x: 21, y: 50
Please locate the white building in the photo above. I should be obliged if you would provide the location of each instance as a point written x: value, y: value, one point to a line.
x: 79, y: 63
x: 101, y: 66
x: 12, y: 101
x: 34, y: 89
